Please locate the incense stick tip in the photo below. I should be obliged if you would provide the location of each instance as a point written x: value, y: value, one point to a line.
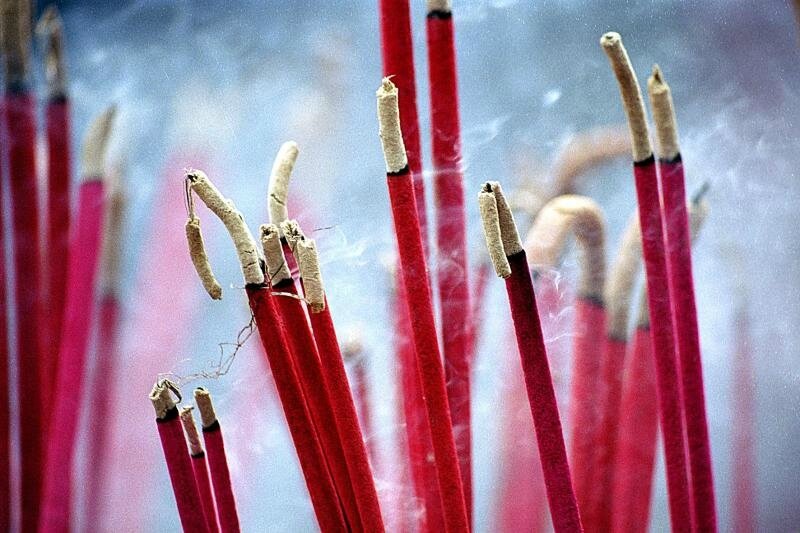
x: 611, y: 39
x: 161, y: 397
x: 199, y: 257
x: 279, y: 178
x: 394, y: 150
x: 202, y: 397
x: 308, y: 261
x: 490, y: 220
x: 292, y: 233
x: 95, y: 144
x: 277, y: 269
x: 50, y: 31
x: 440, y: 6
x: 190, y: 430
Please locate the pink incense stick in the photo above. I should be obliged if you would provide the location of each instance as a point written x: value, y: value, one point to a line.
x: 81, y: 278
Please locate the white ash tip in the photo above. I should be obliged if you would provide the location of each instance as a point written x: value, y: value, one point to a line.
x: 95, y: 143
x: 203, y: 400
x: 292, y: 233
x: 440, y: 6
x: 277, y: 269
x: 394, y: 150
x: 161, y: 397
x: 190, y: 430
x: 611, y: 39
x: 490, y: 219
x: 279, y: 178
x: 308, y: 261
x: 199, y: 257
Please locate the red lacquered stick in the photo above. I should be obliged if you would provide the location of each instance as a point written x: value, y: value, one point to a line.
x: 5, y: 398
x: 452, y: 265
x: 418, y: 431
x: 217, y: 463
x: 510, y: 260
x: 57, y: 212
x: 651, y: 223
x: 397, y: 51
x: 318, y: 397
x: 200, y: 469
x: 309, y: 452
x: 344, y: 410
x: 415, y: 280
x: 684, y: 308
x: 81, y: 284
x: 636, y: 448
x: 179, y: 465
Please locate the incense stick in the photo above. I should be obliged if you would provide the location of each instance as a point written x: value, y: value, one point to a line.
x: 217, y: 463
x: 200, y: 468
x: 452, y: 266
x: 397, y: 52
x: 650, y: 220
x: 81, y: 278
x: 684, y: 307
x: 344, y: 410
x: 511, y: 263
x: 544, y: 244
x: 417, y: 287
x: 5, y: 396
x: 20, y: 155
x: 59, y: 160
x: 179, y: 466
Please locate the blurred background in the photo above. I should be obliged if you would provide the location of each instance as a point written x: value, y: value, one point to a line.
x: 220, y: 86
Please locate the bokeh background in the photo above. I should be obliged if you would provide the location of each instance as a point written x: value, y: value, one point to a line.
x: 220, y: 86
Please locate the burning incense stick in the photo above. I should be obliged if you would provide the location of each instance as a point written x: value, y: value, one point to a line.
x: 684, y: 307
x: 511, y: 263
x: 179, y: 465
x: 634, y: 452
x: 452, y: 266
x: 544, y: 244
x: 20, y: 152
x: 59, y: 160
x: 200, y: 468
x: 279, y: 183
x: 417, y: 287
x: 650, y: 220
x: 5, y: 397
x: 107, y: 356
x: 397, y: 52
x: 344, y: 409
x: 272, y: 332
x: 81, y: 278
x: 217, y: 463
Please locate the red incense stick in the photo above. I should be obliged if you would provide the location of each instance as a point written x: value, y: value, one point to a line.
x: 179, y: 465
x: 309, y: 369
x: 544, y: 244
x: 271, y: 330
x: 5, y: 397
x: 684, y: 308
x: 81, y: 277
x: 106, y: 352
x: 344, y: 409
x: 650, y: 220
x: 415, y: 280
x: 511, y: 264
x: 200, y: 469
x: 57, y: 212
x: 20, y: 155
x: 452, y: 266
x: 397, y: 52
x: 217, y: 463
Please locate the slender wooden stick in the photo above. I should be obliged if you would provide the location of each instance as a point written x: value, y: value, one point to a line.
x: 179, y: 465
x: 107, y: 353
x: 318, y: 396
x: 59, y: 161
x: 415, y: 280
x: 81, y: 284
x: 344, y: 409
x: 19, y: 149
x: 684, y: 307
x: 650, y: 220
x: 544, y: 244
x: 218, y: 463
x: 452, y: 265
x: 200, y: 469
x: 397, y: 52
x: 511, y: 264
